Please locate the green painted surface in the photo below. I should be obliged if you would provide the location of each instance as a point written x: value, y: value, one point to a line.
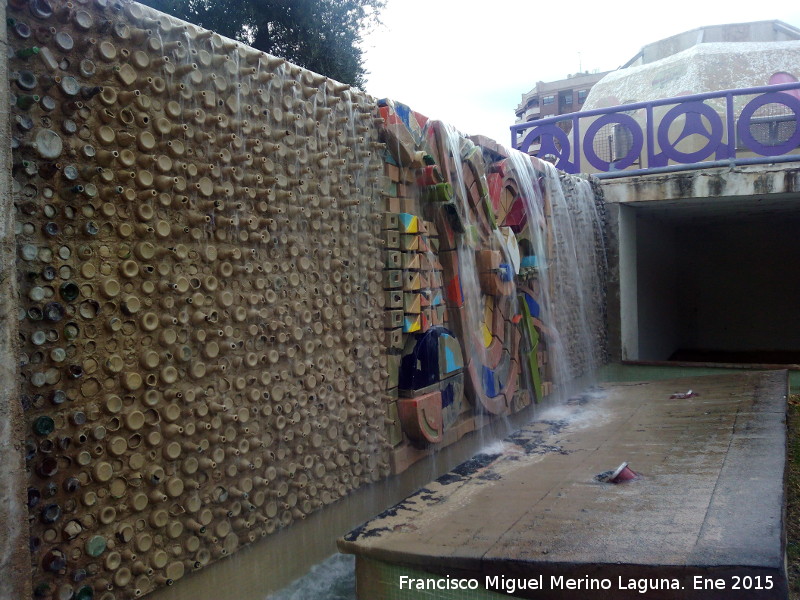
x: 487, y: 208
x: 532, y: 338
x: 386, y: 578
x: 620, y: 372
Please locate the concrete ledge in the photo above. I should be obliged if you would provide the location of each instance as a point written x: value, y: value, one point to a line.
x: 723, y: 183
x: 709, y: 503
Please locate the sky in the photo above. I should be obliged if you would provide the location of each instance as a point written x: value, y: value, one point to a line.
x: 469, y: 63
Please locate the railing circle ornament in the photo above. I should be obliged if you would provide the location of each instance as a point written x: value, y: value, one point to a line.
x: 694, y: 125
x: 633, y: 153
x: 549, y: 134
x: 743, y: 126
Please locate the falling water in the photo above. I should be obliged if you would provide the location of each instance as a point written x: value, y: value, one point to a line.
x: 566, y: 232
x: 577, y: 259
x: 528, y: 186
x: 468, y: 269
x: 205, y: 245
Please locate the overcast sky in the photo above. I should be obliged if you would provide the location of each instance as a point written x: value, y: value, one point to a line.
x: 469, y: 63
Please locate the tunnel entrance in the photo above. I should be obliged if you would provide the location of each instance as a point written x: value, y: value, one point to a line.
x: 713, y: 280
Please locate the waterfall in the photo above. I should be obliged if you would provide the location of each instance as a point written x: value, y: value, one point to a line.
x: 577, y: 260
x: 468, y: 269
x: 566, y: 229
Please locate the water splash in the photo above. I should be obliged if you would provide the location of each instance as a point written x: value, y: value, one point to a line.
x: 332, y: 579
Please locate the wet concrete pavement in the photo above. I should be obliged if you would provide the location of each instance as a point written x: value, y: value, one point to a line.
x: 709, y: 502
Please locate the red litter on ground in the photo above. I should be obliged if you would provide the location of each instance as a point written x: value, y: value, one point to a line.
x: 622, y: 474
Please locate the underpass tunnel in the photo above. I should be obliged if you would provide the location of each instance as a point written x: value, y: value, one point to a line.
x: 712, y: 280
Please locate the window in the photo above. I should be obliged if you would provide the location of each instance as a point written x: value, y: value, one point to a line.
x: 566, y: 99
x: 548, y: 99
x: 582, y: 95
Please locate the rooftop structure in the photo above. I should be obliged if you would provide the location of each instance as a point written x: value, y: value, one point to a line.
x: 707, y: 59
x: 757, y: 31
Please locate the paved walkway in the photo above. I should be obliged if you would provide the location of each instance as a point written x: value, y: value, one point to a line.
x: 709, y: 502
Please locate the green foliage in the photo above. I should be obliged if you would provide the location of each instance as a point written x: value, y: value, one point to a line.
x: 793, y: 496
x: 320, y: 35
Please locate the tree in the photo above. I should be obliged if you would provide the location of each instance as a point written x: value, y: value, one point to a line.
x: 320, y: 35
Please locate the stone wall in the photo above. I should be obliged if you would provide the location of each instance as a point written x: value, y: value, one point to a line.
x: 244, y: 291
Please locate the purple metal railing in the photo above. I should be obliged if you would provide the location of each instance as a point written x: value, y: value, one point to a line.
x: 615, y: 140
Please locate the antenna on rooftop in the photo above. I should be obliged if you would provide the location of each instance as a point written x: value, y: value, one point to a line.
x: 580, y: 64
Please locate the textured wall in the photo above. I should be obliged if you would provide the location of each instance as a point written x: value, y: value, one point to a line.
x: 15, y: 582
x: 201, y: 345
x: 244, y: 291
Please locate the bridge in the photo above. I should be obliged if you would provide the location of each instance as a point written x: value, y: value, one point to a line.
x: 755, y: 125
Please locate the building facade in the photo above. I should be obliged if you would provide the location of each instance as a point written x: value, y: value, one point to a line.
x: 549, y: 99
x: 553, y: 98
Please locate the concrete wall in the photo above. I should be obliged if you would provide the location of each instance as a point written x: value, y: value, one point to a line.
x: 704, y: 260
x: 657, y: 287
x: 724, y: 186
x: 624, y: 254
